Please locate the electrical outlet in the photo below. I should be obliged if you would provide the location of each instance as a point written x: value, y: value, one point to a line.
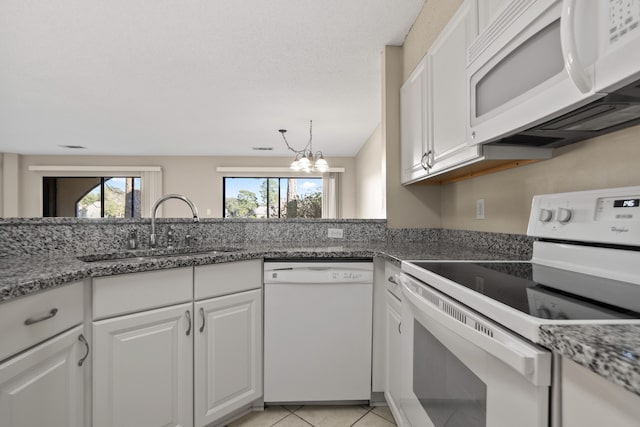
x: 480, y: 209
x: 336, y: 233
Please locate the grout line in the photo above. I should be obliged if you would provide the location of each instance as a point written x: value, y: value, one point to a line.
x: 392, y: 422
x: 303, y: 420
x: 363, y: 415
x: 281, y: 418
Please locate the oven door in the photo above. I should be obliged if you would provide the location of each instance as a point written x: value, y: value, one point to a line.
x: 459, y: 369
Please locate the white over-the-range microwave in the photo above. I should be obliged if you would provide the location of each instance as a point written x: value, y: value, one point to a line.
x: 547, y: 73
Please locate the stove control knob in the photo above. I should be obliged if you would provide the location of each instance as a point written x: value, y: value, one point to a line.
x: 545, y: 215
x: 564, y: 215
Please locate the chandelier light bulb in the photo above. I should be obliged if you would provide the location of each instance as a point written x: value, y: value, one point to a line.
x: 304, y: 162
x: 321, y: 164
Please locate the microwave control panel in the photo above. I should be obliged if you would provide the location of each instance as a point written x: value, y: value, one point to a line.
x: 624, y: 18
x: 604, y: 216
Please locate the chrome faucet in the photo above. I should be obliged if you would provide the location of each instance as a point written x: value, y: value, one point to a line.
x: 194, y: 211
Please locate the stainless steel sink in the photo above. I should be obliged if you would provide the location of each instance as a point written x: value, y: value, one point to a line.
x: 145, y: 255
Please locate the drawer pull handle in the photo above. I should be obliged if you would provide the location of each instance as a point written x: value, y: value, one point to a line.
x: 32, y: 320
x: 188, y: 314
x: 392, y: 279
x: 400, y: 328
x: 83, y: 340
x: 202, y: 314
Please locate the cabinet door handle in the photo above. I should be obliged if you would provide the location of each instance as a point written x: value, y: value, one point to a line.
x: 429, y: 159
x: 392, y: 279
x: 32, y: 320
x: 202, y: 314
x: 400, y: 328
x: 424, y: 161
x: 83, y: 340
x: 188, y: 315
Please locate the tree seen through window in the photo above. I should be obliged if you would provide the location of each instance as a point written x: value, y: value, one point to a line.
x: 272, y: 197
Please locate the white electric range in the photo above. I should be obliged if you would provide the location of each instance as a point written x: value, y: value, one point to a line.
x: 482, y: 318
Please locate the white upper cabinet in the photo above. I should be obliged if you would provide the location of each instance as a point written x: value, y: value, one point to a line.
x: 433, y: 102
x: 413, y: 126
x: 447, y: 101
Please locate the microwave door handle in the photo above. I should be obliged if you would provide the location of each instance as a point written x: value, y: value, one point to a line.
x: 511, y: 352
x: 572, y: 62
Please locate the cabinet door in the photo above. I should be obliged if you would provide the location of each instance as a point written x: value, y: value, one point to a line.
x: 589, y: 400
x: 413, y: 117
x: 143, y: 369
x: 44, y: 386
x: 447, y: 97
x: 228, y: 354
x: 394, y: 343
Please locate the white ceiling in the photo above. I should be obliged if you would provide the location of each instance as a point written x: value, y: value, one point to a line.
x: 193, y: 77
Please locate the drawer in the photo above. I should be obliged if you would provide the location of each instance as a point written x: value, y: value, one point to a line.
x: 390, y: 281
x: 30, y: 320
x: 228, y: 278
x: 130, y: 293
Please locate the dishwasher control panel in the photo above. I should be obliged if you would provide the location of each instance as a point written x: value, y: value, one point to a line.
x: 318, y: 272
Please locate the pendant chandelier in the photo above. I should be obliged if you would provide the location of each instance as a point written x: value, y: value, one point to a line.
x: 306, y: 160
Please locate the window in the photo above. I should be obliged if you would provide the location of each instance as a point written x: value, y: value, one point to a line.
x: 91, y: 197
x: 112, y: 198
x: 272, y: 197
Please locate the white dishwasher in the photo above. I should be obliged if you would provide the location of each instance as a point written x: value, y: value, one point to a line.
x: 317, y: 331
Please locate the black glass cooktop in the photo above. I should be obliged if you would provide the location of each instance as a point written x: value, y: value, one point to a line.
x: 542, y: 291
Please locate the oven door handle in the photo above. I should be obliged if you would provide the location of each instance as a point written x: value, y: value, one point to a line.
x: 519, y: 355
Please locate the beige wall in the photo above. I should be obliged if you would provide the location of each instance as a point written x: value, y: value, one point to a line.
x: 414, y: 206
x: 195, y: 177
x: 607, y: 161
x: 369, y: 178
x: 10, y: 184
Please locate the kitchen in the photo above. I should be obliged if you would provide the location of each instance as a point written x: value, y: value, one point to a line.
x: 452, y: 206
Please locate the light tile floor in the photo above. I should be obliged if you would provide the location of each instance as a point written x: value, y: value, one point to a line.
x: 318, y: 416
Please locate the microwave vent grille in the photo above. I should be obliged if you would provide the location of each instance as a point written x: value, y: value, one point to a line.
x: 501, y: 24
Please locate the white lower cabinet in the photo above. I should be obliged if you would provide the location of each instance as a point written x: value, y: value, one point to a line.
x: 143, y: 369
x: 228, y: 354
x: 186, y: 364
x: 589, y: 400
x: 393, y: 344
x: 44, y: 386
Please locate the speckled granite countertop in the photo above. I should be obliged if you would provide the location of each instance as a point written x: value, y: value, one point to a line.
x: 612, y: 351
x: 24, y: 275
